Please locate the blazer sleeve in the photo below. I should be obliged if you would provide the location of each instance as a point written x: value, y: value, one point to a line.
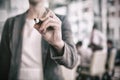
x: 5, y: 52
x: 69, y: 53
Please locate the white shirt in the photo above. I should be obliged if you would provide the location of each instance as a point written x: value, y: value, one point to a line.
x: 31, y: 60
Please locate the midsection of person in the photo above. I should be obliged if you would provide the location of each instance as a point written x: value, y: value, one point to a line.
x: 31, y: 61
x: 21, y: 57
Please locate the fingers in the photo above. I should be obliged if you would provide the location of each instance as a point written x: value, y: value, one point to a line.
x: 47, y: 15
x: 51, y: 20
x: 44, y: 25
x: 48, y: 23
x: 52, y: 25
x: 36, y: 26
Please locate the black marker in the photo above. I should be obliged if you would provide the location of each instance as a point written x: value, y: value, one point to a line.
x: 38, y: 21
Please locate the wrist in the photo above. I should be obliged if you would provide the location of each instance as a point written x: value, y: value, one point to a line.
x: 59, y: 45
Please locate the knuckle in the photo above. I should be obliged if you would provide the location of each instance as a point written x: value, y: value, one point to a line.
x: 60, y: 22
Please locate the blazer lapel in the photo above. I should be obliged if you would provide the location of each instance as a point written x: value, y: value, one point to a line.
x: 18, y: 25
x: 17, y: 36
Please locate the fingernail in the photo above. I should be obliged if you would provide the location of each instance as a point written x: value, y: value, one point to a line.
x: 41, y: 31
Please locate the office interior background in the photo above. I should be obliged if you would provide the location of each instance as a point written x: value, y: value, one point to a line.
x: 82, y: 14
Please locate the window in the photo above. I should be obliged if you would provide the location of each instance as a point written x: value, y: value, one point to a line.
x: 111, y: 33
x: 119, y: 32
x: 112, y: 2
x: 2, y: 4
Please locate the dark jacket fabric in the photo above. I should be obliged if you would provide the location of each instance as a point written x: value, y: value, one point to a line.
x: 11, y: 45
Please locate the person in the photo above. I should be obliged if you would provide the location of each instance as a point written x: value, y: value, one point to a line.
x: 84, y: 61
x: 35, y: 51
x: 110, y: 61
x: 117, y: 60
x: 109, y: 50
x: 97, y: 40
x: 85, y: 56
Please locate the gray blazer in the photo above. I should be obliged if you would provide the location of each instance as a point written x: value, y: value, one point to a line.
x: 11, y: 45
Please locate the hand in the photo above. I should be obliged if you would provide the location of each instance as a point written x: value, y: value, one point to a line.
x: 50, y: 29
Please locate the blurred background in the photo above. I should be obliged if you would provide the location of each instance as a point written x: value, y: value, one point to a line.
x: 82, y: 14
